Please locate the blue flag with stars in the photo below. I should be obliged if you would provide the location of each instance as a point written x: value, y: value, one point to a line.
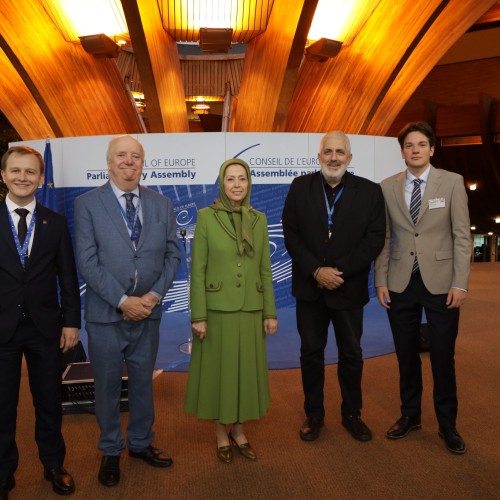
x: 48, y: 197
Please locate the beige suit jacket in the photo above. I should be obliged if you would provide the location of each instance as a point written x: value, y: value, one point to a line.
x: 441, y: 238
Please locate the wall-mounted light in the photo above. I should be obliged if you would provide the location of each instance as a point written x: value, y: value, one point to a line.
x: 100, y: 45
x: 490, y: 234
x: 497, y: 220
x: 473, y: 228
x: 472, y: 186
x: 323, y: 49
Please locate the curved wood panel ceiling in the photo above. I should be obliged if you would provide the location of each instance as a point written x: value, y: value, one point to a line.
x: 449, y: 26
x: 68, y: 85
x: 362, y: 89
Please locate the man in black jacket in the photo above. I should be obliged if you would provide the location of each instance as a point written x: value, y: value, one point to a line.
x: 334, y: 227
x: 38, y: 319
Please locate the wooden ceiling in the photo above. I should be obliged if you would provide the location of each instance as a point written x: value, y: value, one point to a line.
x: 387, y: 73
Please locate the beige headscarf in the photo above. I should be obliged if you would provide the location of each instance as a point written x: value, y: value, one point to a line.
x: 240, y: 216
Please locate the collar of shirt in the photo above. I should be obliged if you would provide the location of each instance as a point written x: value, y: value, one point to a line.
x: 119, y: 193
x: 11, y: 207
x: 410, y: 178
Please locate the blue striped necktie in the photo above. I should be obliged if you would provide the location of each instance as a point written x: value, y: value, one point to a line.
x: 415, y: 202
x: 130, y: 210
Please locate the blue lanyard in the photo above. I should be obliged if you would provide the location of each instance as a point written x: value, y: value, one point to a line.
x: 329, y: 210
x: 136, y: 215
x: 22, y: 251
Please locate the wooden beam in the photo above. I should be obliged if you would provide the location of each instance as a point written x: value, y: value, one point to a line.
x: 159, y: 66
x: 271, y: 67
x: 18, y: 103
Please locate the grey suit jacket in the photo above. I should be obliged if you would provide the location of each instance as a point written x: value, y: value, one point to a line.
x: 106, y: 257
x: 441, y: 238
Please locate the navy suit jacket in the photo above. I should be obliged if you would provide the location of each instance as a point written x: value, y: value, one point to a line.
x: 106, y: 257
x: 358, y: 237
x: 51, y: 262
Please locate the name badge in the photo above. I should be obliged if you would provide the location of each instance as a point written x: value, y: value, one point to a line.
x: 437, y: 203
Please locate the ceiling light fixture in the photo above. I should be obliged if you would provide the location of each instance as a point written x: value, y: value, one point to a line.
x: 182, y: 20
x: 200, y: 107
x: 215, y: 40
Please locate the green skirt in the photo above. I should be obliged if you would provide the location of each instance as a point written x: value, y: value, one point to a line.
x: 228, y: 378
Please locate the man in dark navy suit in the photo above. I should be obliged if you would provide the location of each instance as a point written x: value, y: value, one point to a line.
x: 334, y: 227
x: 35, y: 320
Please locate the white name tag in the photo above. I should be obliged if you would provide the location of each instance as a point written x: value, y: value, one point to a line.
x: 437, y: 203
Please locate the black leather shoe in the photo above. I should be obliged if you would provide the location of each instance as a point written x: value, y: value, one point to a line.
x: 153, y: 456
x: 358, y: 429
x: 109, y: 471
x: 310, y: 428
x: 62, y: 482
x: 5, y: 486
x: 453, y: 440
x: 403, y: 427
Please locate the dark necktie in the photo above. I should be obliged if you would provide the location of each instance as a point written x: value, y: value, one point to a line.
x: 415, y: 202
x: 130, y: 211
x: 22, y: 226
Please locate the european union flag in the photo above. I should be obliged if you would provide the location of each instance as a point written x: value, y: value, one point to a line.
x: 48, y: 197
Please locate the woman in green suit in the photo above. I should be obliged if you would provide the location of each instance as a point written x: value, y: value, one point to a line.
x: 232, y: 310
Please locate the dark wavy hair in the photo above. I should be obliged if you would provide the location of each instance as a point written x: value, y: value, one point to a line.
x: 422, y: 127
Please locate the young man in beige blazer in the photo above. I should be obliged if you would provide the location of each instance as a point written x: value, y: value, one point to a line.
x: 425, y: 265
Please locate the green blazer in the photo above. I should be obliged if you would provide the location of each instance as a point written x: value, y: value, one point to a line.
x: 223, y: 280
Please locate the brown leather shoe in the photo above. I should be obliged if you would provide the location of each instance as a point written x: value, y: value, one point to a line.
x: 403, y: 427
x: 245, y: 449
x: 224, y: 453
x: 62, y: 482
x: 310, y: 428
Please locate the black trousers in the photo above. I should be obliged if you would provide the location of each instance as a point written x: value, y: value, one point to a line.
x: 43, y: 360
x: 313, y: 320
x: 405, y: 317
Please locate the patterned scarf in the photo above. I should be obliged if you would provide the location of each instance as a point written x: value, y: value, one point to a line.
x: 240, y: 216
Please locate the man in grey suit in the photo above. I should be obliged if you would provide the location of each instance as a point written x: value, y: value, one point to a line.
x: 425, y: 265
x: 127, y: 253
